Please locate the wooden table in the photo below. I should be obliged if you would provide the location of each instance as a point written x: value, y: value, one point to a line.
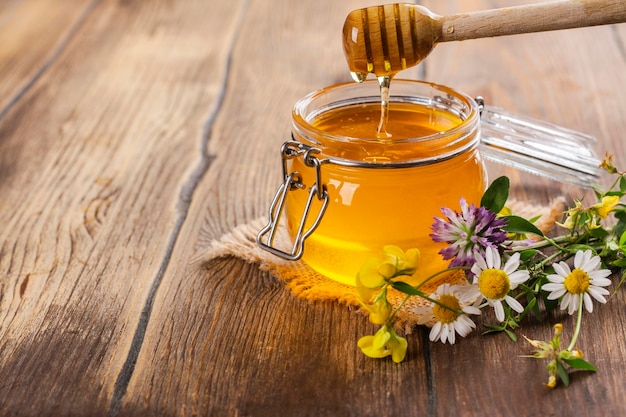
x: 132, y: 133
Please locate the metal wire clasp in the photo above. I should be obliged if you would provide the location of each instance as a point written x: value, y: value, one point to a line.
x: 293, y: 181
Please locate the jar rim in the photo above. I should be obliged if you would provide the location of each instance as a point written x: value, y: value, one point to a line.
x: 445, y: 143
x: 302, y: 115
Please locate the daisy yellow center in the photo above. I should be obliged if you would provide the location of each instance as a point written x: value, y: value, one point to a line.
x: 494, y: 283
x: 577, y: 282
x: 446, y: 315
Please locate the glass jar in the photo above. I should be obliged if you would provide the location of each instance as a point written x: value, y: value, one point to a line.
x: 349, y: 192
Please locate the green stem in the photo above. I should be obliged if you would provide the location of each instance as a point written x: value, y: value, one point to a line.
x: 432, y: 300
x: 436, y: 274
x: 555, y: 242
x: 395, y: 311
x: 550, y: 258
x: 578, y: 323
x: 545, y: 242
x: 615, y: 182
x: 425, y: 297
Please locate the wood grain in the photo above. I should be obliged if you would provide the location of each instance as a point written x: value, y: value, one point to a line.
x: 42, y: 26
x: 244, y: 346
x: 97, y: 164
x: 153, y: 128
x: 305, y: 359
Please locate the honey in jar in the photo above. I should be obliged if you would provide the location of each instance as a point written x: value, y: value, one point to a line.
x: 374, y: 190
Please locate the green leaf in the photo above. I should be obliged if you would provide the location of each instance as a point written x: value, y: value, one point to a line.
x: 532, y: 302
x: 621, y: 282
x: 535, y: 310
x: 406, y: 288
x: 516, y: 224
x: 550, y: 305
x: 622, y: 183
x: 620, y: 227
x: 621, y: 263
x: 622, y: 243
x: 511, y: 335
x: 496, y: 195
x: 493, y: 328
x: 562, y: 373
x: 527, y: 254
x: 497, y: 328
x: 578, y: 363
x: 597, y: 191
x: 598, y: 233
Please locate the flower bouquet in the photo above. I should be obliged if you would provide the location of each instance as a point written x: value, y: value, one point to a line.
x: 508, y: 265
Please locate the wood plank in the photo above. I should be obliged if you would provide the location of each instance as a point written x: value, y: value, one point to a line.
x: 98, y: 160
x: 225, y: 338
x: 53, y: 319
x: 240, y: 344
x: 43, y: 27
x: 568, y: 78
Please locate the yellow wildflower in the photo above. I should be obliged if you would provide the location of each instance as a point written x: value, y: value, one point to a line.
x: 407, y: 262
x: 380, y: 309
x: 384, y: 343
x: 607, y: 164
x: 572, y: 216
x: 605, y: 206
x: 373, y: 273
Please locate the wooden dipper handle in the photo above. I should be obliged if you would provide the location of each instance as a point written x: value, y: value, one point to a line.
x: 532, y: 18
x: 389, y: 38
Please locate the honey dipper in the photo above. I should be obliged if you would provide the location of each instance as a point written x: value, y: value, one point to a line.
x: 389, y: 38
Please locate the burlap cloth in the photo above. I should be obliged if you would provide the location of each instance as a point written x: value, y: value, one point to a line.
x: 305, y: 283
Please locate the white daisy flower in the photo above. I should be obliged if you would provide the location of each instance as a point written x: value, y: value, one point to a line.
x: 493, y: 282
x: 448, y: 321
x: 586, y: 280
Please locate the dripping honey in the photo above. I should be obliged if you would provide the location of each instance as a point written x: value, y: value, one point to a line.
x: 381, y: 201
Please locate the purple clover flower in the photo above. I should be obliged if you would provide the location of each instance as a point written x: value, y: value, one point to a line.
x: 468, y: 233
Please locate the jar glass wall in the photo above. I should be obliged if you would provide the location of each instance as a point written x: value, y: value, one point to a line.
x: 383, y: 190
